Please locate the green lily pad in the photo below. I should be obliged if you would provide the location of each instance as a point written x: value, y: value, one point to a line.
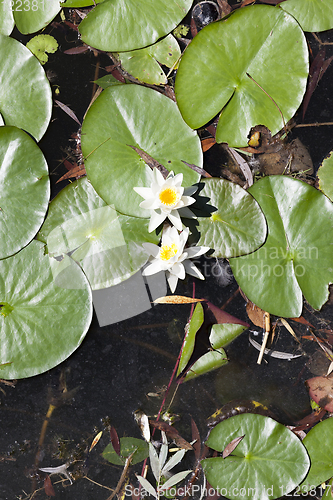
x: 297, y: 255
x: 33, y: 15
x: 6, y: 18
x: 269, y: 461
x: 121, y: 25
x: 143, y: 63
x: 24, y: 190
x: 107, y: 245
x: 261, y: 41
x: 325, y: 176
x: 42, y: 322
x: 73, y: 4
x: 319, y: 442
x: 312, y: 15
x: 238, y: 226
x: 132, y: 115
x: 40, y: 45
x: 127, y: 446
x: 25, y: 92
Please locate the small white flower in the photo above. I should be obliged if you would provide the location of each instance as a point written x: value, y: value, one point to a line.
x: 172, y: 258
x: 165, y: 197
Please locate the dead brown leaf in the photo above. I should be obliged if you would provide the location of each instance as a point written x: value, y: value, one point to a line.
x: 231, y: 446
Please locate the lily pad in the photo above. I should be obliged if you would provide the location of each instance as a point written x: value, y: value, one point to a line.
x: 312, y: 15
x: 297, y: 255
x: 319, y: 443
x: 25, y: 92
x: 24, y: 190
x: 121, y: 25
x: 238, y: 225
x: 6, y: 18
x: 127, y: 446
x: 40, y: 45
x: 269, y: 461
x: 261, y: 41
x: 42, y: 322
x: 132, y: 115
x: 143, y: 63
x: 33, y: 15
x: 79, y: 3
x: 107, y: 245
x: 325, y: 176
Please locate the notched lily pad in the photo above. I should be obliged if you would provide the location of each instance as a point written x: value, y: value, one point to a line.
x: 44, y: 314
x: 238, y: 225
x: 25, y: 92
x: 6, y: 17
x: 143, y: 63
x: 312, y: 15
x: 24, y: 190
x: 122, y: 25
x: 297, y: 256
x: 261, y: 41
x: 40, y: 45
x: 325, y: 176
x: 132, y: 115
x: 268, y: 458
x: 34, y: 15
x: 106, y: 244
x: 319, y: 443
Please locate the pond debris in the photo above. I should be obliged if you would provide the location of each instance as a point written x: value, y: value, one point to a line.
x: 231, y: 446
x: 61, y: 469
x: 273, y: 353
x: 142, y: 420
x: 176, y: 299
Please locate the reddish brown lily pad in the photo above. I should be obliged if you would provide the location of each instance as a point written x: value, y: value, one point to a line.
x: 321, y: 391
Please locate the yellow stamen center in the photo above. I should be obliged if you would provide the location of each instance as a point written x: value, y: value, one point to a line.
x: 168, y: 251
x: 169, y: 196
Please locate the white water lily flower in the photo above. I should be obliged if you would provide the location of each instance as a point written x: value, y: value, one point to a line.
x: 165, y: 197
x: 172, y: 258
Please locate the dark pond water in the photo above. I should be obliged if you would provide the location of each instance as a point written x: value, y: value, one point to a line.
x: 117, y: 365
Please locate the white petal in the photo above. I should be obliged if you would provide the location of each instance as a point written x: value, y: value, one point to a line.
x: 191, y: 269
x: 183, y: 237
x: 158, y: 177
x: 188, y: 200
x: 179, y: 270
x: 144, y: 192
x: 153, y: 268
x: 175, y: 219
x: 151, y: 249
x: 187, y: 213
x: 178, y: 179
x: 155, y: 220
x: 172, y: 280
x: 190, y: 190
x: 196, y: 251
x: 149, y: 204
